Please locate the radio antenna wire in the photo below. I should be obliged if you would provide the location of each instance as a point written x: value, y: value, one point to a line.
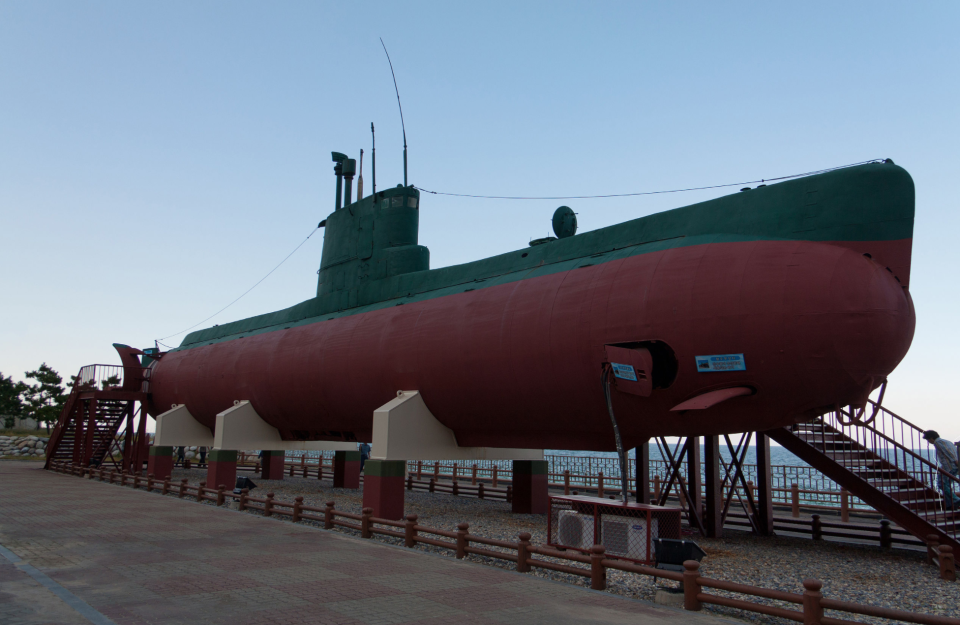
x: 402, y: 126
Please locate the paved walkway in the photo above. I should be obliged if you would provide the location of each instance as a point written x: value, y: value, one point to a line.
x: 93, y: 552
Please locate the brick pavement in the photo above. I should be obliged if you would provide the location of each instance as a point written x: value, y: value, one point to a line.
x: 139, y: 558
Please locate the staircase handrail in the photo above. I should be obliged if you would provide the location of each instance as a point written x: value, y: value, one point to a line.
x: 895, y: 415
x: 925, y: 461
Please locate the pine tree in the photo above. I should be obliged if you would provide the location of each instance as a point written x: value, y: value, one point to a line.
x: 46, y: 398
x: 11, y: 400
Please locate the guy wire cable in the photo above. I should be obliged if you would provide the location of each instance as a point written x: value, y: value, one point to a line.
x: 312, y: 232
x: 590, y: 197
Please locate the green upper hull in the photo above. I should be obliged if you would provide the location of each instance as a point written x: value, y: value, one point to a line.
x: 372, y: 260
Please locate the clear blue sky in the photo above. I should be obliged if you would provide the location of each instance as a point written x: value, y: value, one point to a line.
x: 159, y: 158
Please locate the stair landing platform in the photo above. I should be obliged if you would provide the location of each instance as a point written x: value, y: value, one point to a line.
x: 94, y: 552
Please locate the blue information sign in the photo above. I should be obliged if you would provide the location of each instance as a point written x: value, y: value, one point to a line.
x: 721, y: 362
x: 624, y: 372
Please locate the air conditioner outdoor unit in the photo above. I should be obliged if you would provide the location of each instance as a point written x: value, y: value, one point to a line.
x: 575, y: 530
x: 627, y: 536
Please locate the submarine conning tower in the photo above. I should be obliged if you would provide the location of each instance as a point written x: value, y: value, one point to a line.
x: 368, y: 240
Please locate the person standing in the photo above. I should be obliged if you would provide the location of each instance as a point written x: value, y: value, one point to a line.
x: 203, y: 456
x: 947, y: 459
x: 364, y: 454
x: 180, y: 454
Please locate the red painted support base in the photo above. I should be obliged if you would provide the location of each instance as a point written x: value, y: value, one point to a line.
x: 221, y: 468
x: 530, y: 487
x: 383, y: 488
x: 160, y: 462
x: 272, y: 465
x: 346, y: 469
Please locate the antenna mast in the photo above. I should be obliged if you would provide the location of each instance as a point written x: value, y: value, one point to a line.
x: 397, y: 89
x: 360, y: 179
x: 374, y: 135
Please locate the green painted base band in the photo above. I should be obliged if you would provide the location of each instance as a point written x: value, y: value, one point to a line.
x: 222, y: 455
x: 385, y: 468
x: 349, y: 456
x: 160, y: 451
x: 530, y: 467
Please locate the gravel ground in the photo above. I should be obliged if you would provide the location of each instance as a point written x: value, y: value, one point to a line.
x: 890, y: 578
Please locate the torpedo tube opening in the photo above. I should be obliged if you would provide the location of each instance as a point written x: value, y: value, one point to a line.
x: 663, y: 363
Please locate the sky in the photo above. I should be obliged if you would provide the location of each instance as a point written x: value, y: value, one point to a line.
x: 158, y: 159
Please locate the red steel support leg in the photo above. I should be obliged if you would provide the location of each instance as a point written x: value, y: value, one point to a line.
x: 764, y: 490
x: 530, y: 487
x: 221, y: 468
x: 383, y: 488
x: 694, y: 497
x: 712, y: 521
x: 78, y: 437
x: 140, y: 454
x: 127, y: 460
x: 643, y: 472
x: 160, y: 462
x: 271, y: 465
x: 89, y: 434
x: 346, y: 469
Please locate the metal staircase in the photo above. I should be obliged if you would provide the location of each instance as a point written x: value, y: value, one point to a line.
x: 883, y: 459
x: 103, y: 398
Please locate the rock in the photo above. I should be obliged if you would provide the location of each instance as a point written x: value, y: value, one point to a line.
x: 189, y: 455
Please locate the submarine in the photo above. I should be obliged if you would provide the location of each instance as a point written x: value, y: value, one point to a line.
x: 759, y: 309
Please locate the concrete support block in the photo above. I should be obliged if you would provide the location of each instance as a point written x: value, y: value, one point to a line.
x: 346, y: 469
x: 160, y: 462
x: 530, y: 487
x: 221, y: 468
x: 383, y: 488
x: 271, y: 465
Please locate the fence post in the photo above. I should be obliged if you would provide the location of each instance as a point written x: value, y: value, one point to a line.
x: 100, y: 476
x: 656, y: 487
x: 523, y: 552
x: 149, y: 481
x: 433, y: 485
x: 268, y: 505
x: 509, y: 494
x: 365, y: 515
x: 751, y: 495
x: 462, y: 540
x: 795, y: 500
x: 886, y: 534
x: 419, y: 470
x: 221, y: 495
x: 948, y: 569
x: 691, y: 587
x: 600, y: 484
x: 566, y: 482
x: 480, y: 491
x: 844, y: 505
x: 200, y: 489
x: 166, y: 487
x: 305, y: 467
x: 933, y: 544
x: 297, y: 504
x: 90, y: 472
x: 291, y: 470
x: 123, y: 478
x: 455, y: 491
x: 473, y: 478
x: 812, y: 610
x: 436, y: 469
x: 113, y: 475
x: 136, y: 480
x: 328, y: 516
x: 495, y: 468
x: 456, y: 465
x: 598, y: 572
x: 183, y: 488
x: 410, y: 482
x: 816, y: 527
x: 410, y: 531
x: 242, y: 503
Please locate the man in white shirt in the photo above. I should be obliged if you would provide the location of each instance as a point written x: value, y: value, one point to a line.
x: 948, y: 461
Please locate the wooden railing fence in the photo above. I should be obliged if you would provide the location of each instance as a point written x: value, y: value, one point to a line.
x: 594, y: 566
